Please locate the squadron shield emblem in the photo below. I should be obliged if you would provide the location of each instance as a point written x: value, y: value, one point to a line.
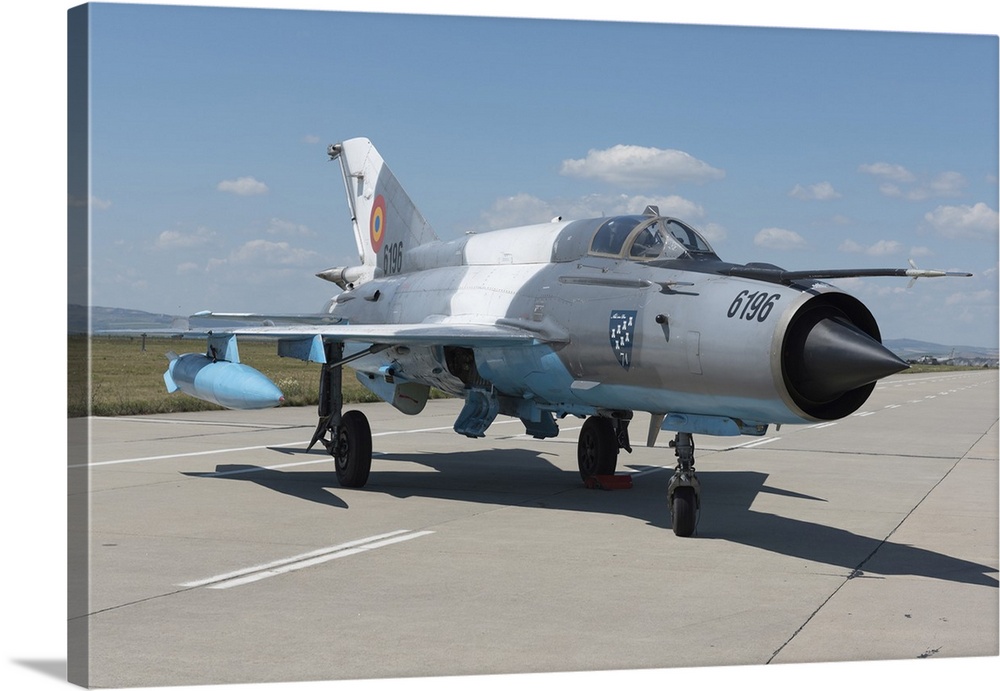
x: 621, y: 330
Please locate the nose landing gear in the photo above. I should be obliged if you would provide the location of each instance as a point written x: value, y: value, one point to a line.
x: 684, y: 492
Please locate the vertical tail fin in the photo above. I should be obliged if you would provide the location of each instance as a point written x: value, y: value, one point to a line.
x: 387, y: 224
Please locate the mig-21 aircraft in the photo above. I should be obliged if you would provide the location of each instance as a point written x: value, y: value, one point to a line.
x: 595, y: 318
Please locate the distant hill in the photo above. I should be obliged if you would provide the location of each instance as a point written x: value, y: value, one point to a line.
x: 115, y: 318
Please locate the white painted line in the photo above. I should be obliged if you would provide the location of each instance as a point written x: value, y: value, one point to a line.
x: 280, y: 562
x: 203, y: 423
x: 431, y: 429
x: 752, y: 444
x: 144, y: 459
x: 761, y: 442
x: 822, y: 425
x: 186, y: 455
x: 316, y: 561
x: 651, y: 469
x: 257, y: 469
x: 274, y: 568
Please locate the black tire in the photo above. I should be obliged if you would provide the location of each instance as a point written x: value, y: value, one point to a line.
x: 352, y: 449
x: 597, y: 447
x: 685, y: 512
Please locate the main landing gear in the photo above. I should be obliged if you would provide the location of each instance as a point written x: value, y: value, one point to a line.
x: 597, y: 454
x: 598, y: 445
x: 350, y: 435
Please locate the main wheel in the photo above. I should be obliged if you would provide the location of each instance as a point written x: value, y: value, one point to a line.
x: 685, y: 511
x: 352, y: 449
x: 597, y: 447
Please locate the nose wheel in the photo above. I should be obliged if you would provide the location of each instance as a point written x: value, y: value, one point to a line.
x: 684, y: 492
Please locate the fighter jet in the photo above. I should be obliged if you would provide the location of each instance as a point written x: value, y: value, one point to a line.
x: 596, y: 318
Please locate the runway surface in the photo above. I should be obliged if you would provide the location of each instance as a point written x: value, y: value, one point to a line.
x: 222, y: 551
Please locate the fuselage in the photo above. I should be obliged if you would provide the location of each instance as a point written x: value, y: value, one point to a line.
x: 632, y: 313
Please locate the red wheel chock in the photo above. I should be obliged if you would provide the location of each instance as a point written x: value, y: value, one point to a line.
x: 609, y: 482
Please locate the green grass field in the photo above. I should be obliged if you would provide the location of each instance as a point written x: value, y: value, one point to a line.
x: 127, y: 380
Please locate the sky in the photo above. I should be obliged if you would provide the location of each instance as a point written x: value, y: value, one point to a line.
x: 815, y: 148
x: 805, y: 148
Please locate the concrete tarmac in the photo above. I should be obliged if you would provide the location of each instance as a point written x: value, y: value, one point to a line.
x: 221, y: 551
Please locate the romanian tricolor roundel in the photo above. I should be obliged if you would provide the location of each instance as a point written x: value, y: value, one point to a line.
x: 377, y: 224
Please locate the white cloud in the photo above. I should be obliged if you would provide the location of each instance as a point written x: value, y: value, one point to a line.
x: 879, y: 249
x: 851, y: 247
x: 714, y: 233
x: 175, y: 239
x: 518, y: 210
x: 821, y: 191
x: 525, y: 209
x: 625, y: 164
x: 948, y: 184
x: 890, y: 190
x: 900, y: 183
x: 779, y: 239
x: 885, y: 247
x: 669, y: 205
x: 245, y: 186
x: 266, y: 253
x: 889, y: 171
x: 964, y: 222
x: 277, y: 226
x: 979, y: 297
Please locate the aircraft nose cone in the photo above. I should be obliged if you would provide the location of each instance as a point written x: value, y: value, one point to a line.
x: 838, y: 357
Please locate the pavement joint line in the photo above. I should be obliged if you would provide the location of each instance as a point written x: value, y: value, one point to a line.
x: 858, y: 570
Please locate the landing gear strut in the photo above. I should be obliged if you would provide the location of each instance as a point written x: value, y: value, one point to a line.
x: 350, y: 435
x: 684, y: 492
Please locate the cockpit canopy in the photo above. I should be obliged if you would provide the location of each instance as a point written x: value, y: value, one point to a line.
x: 648, y: 237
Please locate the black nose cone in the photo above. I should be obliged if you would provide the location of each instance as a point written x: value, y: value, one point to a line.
x: 836, y: 357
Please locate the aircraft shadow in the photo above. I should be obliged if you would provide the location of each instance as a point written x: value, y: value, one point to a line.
x: 312, y: 486
x: 525, y: 478
x: 727, y: 515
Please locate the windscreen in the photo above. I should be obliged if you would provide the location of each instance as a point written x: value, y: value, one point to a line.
x: 645, y: 238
